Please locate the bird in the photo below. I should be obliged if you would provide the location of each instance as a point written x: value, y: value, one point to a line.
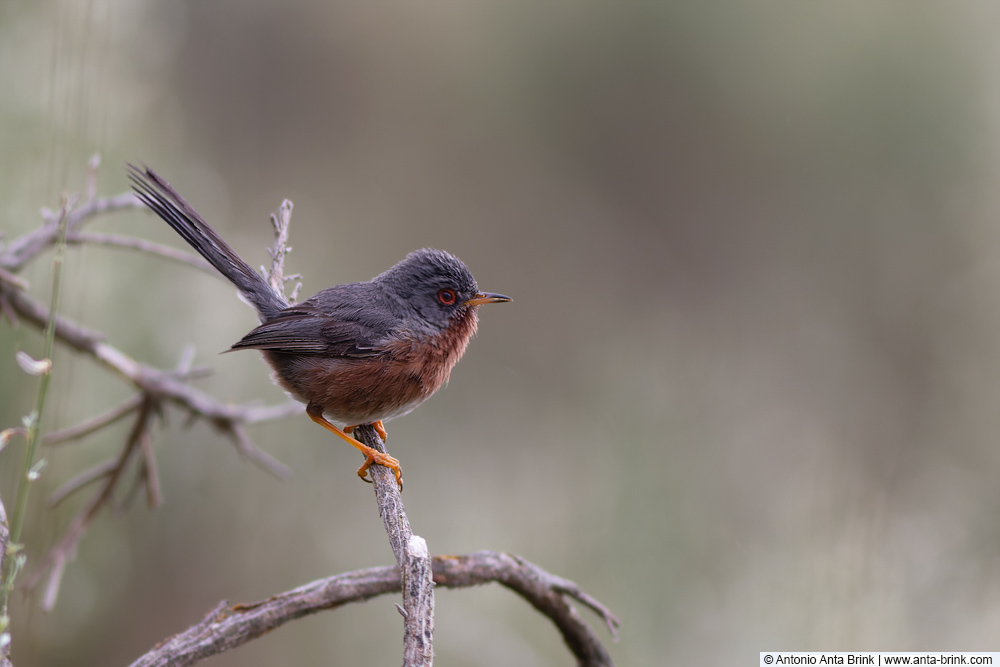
x: 358, y: 353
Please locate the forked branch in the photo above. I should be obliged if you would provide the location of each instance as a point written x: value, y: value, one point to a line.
x: 228, y: 626
x: 155, y: 387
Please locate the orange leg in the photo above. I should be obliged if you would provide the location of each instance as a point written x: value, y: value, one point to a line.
x: 371, y: 455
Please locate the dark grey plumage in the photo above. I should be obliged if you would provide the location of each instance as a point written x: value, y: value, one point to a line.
x: 337, y: 321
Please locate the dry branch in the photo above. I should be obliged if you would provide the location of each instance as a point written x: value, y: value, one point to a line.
x: 142, y: 245
x: 155, y: 386
x: 93, y: 424
x: 412, y: 558
x: 228, y: 626
x: 23, y: 249
x: 55, y: 561
x: 164, y: 385
x: 276, y: 274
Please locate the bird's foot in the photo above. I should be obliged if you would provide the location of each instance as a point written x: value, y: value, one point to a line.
x: 371, y: 455
x: 375, y: 456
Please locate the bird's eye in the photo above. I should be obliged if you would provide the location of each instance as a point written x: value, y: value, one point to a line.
x: 446, y: 296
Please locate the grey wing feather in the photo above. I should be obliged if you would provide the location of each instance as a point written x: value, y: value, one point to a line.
x: 307, y: 331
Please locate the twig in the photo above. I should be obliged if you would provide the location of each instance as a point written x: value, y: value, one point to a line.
x: 25, y: 248
x: 81, y: 480
x: 154, y: 494
x: 228, y: 626
x: 58, y: 556
x: 276, y: 274
x: 142, y: 245
x: 546, y: 592
x: 94, y: 424
x: 412, y: 558
x: 8, y: 277
x: 6, y: 310
x: 245, y: 446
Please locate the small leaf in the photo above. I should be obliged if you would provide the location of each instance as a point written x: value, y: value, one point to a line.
x: 32, y: 366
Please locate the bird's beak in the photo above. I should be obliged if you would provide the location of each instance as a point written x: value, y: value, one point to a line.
x: 487, y: 297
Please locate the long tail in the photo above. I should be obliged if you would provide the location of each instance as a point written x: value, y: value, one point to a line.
x: 157, y: 194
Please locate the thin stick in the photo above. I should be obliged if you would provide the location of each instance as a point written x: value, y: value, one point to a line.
x: 245, y: 446
x: 81, y: 480
x: 412, y: 558
x: 55, y: 560
x: 142, y: 245
x: 8, y: 277
x: 89, y: 426
x: 150, y: 476
x: 26, y: 247
x: 276, y: 275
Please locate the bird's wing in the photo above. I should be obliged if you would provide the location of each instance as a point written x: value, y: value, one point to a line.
x: 308, y: 331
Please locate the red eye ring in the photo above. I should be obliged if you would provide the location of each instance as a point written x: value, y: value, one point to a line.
x: 446, y: 296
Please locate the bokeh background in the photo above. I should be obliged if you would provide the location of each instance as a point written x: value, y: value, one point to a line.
x: 748, y: 391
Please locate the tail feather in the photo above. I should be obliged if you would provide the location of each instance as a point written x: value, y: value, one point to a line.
x: 159, y: 196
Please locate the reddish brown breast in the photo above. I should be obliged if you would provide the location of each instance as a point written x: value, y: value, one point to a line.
x: 361, y: 391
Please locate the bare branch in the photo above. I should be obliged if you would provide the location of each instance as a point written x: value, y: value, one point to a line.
x: 276, y: 275
x: 546, y: 593
x: 94, y: 424
x: 412, y: 558
x: 155, y: 386
x: 227, y: 627
x: 142, y: 245
x: 25, y: 248
x: 81, y: 480
x: 153, y: 381
x: 154, y: 494
x: 58, y: 556
x: 16, y: 281
x: 245, y: 446
x: 6, y: 310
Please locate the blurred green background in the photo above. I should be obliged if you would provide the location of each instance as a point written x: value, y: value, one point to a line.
x: 746, y: 394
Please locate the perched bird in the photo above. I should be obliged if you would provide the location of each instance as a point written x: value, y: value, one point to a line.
x: 360, y: 353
